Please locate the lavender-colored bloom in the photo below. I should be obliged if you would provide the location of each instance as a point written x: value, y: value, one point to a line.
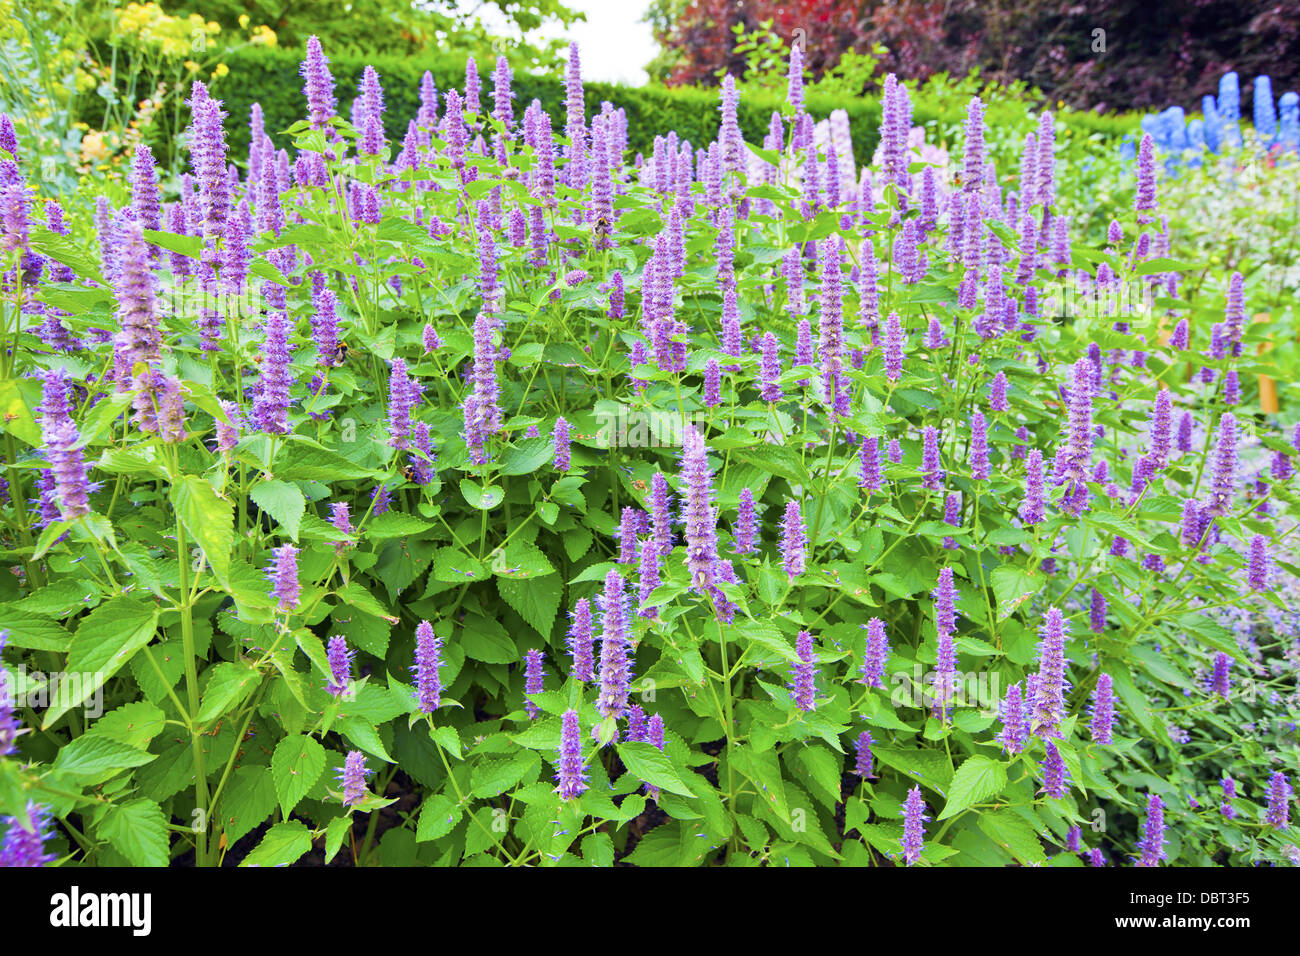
x: 1223, y: 476
x: 1221, y: 679
x: 1151, y: 847
x: 998, y: 393
x: 615, y: 639
x: 272, y: 401
x: 894, y: 451
x: 1097, y: 612
x: 650, y: 579
x: 864, y: 766
x: 560, y: 438
x: 318, y: 85
x: 62, y: 449
x: 133, y: 284
x: 1049, y: 689
x: 325, y: 327
x: 1183, y: 442
x: 627, y: 531
x: 283, y: 573
x: 893, y: 348
x: 770, y: 370
x: 869, y: 476
x: 401, y: 396
x: 570, y: 775
x: 1015, y: 721
x: 431, y: 340
x: 930, y: 463
x: 1074, y: 458
x: 952, y: 516
x: 746, y: 524
x: 341, y: 519
x: 1103, y: 709
x: 945, y: 624
x: 1096, y: 857
x: 428, y: 659
x: 1145, y: 200
x: 805, y: 672
x: 1055, y: 776
x: 580, y: 642
x: 1257, y: 572
x: 534, y: 681
x: 24, y: 847
x: 913, y: 826
x: 1279, y: 801
x: 794, y: 542
x: 698, y: 514
x: 340, y: 662
x: 980, y: 469
x: 794, y: 78
x: 10, y: 728
x: 712, y: 384
x: 1181, y: 336
x: 1161, y: 429
x: 875, y: 653
x: 353, y: 775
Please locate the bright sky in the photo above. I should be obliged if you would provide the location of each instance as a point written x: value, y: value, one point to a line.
x: 613, y: 44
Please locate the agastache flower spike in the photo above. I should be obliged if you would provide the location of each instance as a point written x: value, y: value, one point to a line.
x: 62, y: 441
x: 998, y: 393
x: 1151, y: 847
x: 1054, y: 774
x: 746, y: 524
x: 1257, y: 571
x: 570, y: 775
x: 580, y: 642
x: 893, y: 348
x: 770, y: 370
x: 284, y: 577
x: 1221, y: 678
x: 875, y: 654
x: 534, y: 681
x: 1145, y: 201
x: 1229, y: 793
x: 794, y: 542
x: 23, y: 847
x: 561, y: 444
x: 428, y: 659
x: 1225, y: 466
x: 698, y: 514
x: 615, y: 667
x: 864, y: 766
x: 979, y: 448
x: 930, y: 463
x: 1015, y: 722
x: 869, y: 466
x: 340, y: 662
x: 913, y: 826
x: 1049, y: 693
x: 353, y: 775
x: 318, y: 85
x: 945, y: 624
x: 805, y: 672
x: 1279, y: 801
x: 1103, y: 709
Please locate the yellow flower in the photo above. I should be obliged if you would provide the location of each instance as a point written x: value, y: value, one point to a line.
x: 220, y: 71
x: 191, y: 66
x: 243, y: 21
x: 93, y: 147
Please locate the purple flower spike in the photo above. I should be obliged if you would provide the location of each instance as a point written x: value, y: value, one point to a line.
x: 698, y: 513
x: 1015, y: 721
x: 1151, y: 847
x: 353, y: 775
x: 864, y: 766
x: 1097, y: 612
x: 794, y: 542
x: 770, y: 370
x: 980, y: 469
x: 1221, y: 679
x: 913, y: 826
x: 1049, y: 692
x: 534, y: 681
x: 805, y: 672
x: 893, y: 348
x: 945, y: 625
x: 340, y: 661
x: 428, y: 659
x: 930, y: 463
x: 869, y: 476
x: 1032, y: 508
x: 580, y: 642
x: 615, y: 639
x: 1054, y: 774
x: 1279, y: 802
x: 570, y: 775
x: 1225, y: 467
x: 1257, y: 572
x: 1229, y: 794
x: 284, y: 577
x: 875, y: 654
x: 23, y: 847
x: 1103, y: 710
x: 998, y: 393
x: 746, y: 523
x: 561, y: 440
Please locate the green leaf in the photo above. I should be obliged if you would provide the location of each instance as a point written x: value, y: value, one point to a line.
x: 137, y: 830
x: 536, y: 600
x: 209, y: 520
x: 90, y: 756
x: 1014, y: 835
x: 33, y: 632
x: 249, y: 798
x: 976, y: 780
x: 394, y: 524
x: 106, y: 639
x: 527, y: 456
x: 283, y: 844
x: 15, y: 415
x: 1013, y: 586
x: 652, y: 765
x: 484, y: 499
x: 228, y: 685
x: 282, y: 501
x: 296, y: 765
x: 303, y: 462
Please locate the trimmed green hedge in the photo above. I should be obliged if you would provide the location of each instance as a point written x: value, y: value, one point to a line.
x: 270, y: 77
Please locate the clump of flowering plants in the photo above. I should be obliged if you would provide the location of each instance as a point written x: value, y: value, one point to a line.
x: 514, y: 501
